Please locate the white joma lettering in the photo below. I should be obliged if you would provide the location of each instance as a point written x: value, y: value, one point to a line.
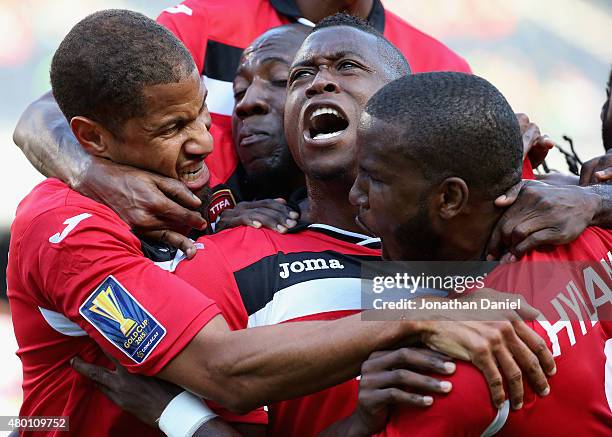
x: 308, y: 265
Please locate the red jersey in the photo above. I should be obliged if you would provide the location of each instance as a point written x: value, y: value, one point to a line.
x: 217, y: 31
x: 312, y: 273
x: 580, y: 401
x: 78, y: 284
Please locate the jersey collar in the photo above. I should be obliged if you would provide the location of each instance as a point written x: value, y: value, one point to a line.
x: 290, y: 9
x: 338, y: 233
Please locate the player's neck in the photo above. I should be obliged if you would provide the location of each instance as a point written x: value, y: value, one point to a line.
x: 329, y: 204
x: 316, y: 11
x: 281, y: 185
x: 467, y: 239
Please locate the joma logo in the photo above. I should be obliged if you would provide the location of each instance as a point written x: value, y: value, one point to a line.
x: 308, y: 265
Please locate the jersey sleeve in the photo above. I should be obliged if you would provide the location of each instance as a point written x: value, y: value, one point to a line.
x: 189, y: 22
x: 212, y: 275
x: 467, y: 408
x: 89, y: 267
x: 210, y: 272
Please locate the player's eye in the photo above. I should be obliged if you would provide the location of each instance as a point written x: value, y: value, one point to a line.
x: 170, y: 130
x: 239, y: 94
x: 299, y: 74
x: 346, y: 65
x: 281, y: 83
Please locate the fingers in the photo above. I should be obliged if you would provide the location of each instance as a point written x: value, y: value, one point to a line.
x: 525, y: 312
x: 279, y: 205
x: 537, y: 239
x: 510, y: 196
x: 97, y: 374
x: 406, y: 380
x: 530, y: 365
x: 586, y: 173
x: 523, y: 120
x: 538, y: 152
x: 410, y: 358
x: 603, y: 176
x: 259, y: 218
x: 538, y: 346
x: 272, y: 219
x: 485, y: 361
x: 530, y: 136
x: 178, y: 192
x: 270, y: 213
x: 596, y: 170
x: 514, y: 377
x: 395, y: 396
x: 174, y: 239
x: 174, y: 216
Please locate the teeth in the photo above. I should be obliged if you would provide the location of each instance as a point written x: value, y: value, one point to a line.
x: 325, y: 136
x: 321, y: 111
x: 191, y: 176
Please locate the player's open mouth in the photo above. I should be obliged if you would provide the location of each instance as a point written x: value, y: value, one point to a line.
x: 194, y: 176
x: 325, y: 123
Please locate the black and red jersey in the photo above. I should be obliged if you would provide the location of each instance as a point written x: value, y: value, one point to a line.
x: 217, y: 31
x: 312, y: 273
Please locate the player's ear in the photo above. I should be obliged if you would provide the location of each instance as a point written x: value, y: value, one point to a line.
x: 93, y: 137
x: 451, y: 198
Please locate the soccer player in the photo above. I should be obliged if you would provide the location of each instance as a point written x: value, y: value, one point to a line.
x: 600, y: 169
x: 425, y: 195
x: 139, y: 200
x: 215, y: 32
x: 268, y: 170
x: 313, y: 272
x: 79, y: 283
x: 299, y: 269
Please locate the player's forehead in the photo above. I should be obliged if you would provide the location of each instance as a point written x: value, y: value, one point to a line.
x: 375, y: 141
x: 277, y: 45
x: 335, y: 42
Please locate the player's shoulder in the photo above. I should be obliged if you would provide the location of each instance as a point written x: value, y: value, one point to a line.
x: 53, y: 195
x: 52, y: 205
x: 410, y: 39
x: 593, y: 244
x: 206, y: 8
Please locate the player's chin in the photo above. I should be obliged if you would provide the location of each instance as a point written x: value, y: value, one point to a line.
x: 326, y: 170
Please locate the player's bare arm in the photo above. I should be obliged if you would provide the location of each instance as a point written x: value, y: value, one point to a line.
x: 143, y: 397
x: 45, y: 138
x: 262, y: 366
x: 146, y: 398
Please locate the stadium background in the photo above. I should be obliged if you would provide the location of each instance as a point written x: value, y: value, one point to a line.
x: 550, y: 58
